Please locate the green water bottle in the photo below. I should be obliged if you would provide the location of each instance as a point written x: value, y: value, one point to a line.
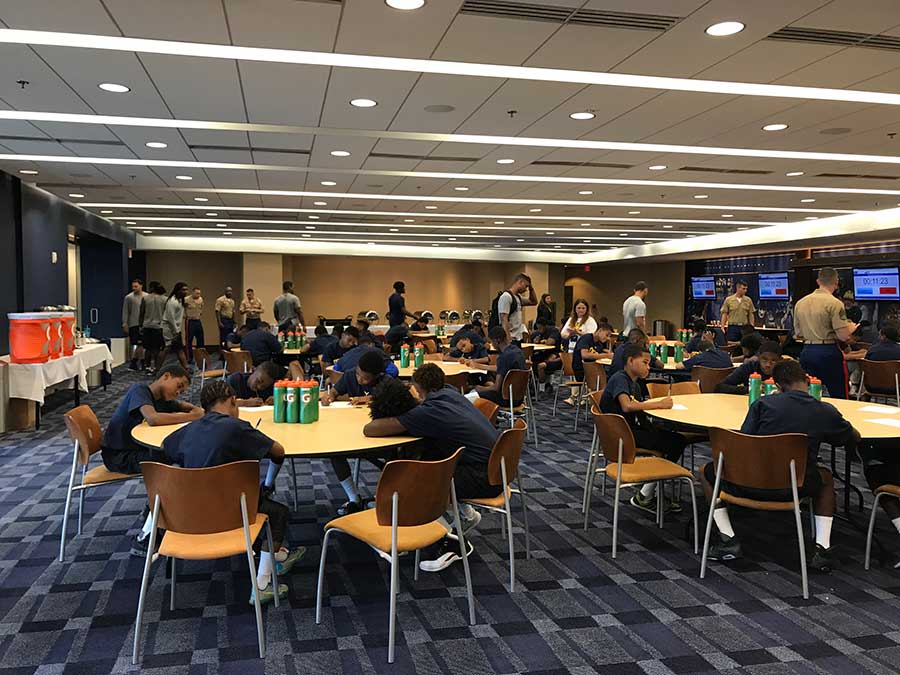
x: 308, y: 393
x: 653, y: 349
x: 769, y: 387
x: 754, y: 387
x: 679, y: 353
x: 815, y: 388
x: 281, y: 340
x: 419, y: 354
x: 278, y: 394
x: 664, y: 352
x: 292, y: 399
x: 404, y: 356
x: 302, y: 343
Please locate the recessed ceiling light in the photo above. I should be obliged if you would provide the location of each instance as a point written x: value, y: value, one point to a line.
x: 320, y: 203
x: 743, y: 228
x: 586, y: 241
x: 156, y: 145
x: 313, y: 217
x: 503, y: 222
x: 473, y: 231
x: 585, y: 224
x: 657, y: 167
x: 340, y: 153
x: 451, y: 238
x: 182, y: 177
x: 585, y: 192
x: 328, y: 183
x: 585, y: 115
x: 623, y: 234
x: 130, y: 222
x: 305, y: 235
x: 550, y: 233
x: 114, y: 88
x: 691, y: 236
x: 221, y: 225
x: 394, y: 229
x: 728, y: 215
x: 520, y: 240
x: 76, y: 195
x: 668, y: 227
x: 724, y: 28
x: 310, y: 227
x: 506, y: 161
x: 212, y: 214
x: 200, y: 199
x: 28, y: 172
x: 461, y: 188
x: 634, y: 213
x: 496, y: 245
x: 807, y: 201
x: 794, y: 173
x: 106, y: 212
x: 435, y: 244
x: 534, y: 210
x: 701, y: 196
x: 811, y: 218
x: 148, y: 231
x: 409, y: 220
x: 227, y: 234
x: 363, y: 103
x: 371, y: 243
x: 404, y: 5
x: 431, y: 207
x: 777, y: 126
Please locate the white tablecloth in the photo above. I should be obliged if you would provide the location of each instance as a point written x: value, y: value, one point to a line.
x: 31, y: 380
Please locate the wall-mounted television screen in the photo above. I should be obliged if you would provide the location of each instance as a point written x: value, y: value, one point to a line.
x: 876, y: 283
x: 703, y: 288
x: 773, y: 286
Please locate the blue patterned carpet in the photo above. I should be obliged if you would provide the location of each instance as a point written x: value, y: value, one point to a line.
x: 575, y: 610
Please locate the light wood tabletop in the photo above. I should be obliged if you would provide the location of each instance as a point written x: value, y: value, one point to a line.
x: 668, y: 365
x: 537, y: 347
x: 338, y: 431
x: 449, y: 368
x: 728, y: 411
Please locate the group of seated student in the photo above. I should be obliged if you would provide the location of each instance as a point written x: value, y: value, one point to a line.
x: 626, y: 395
x: 590, y: 347
x: 702, y: 332
x: 545, y: 362
x: 468, y: 350
x: 792, y: 410
x: 334, y: 351
x: 257, y: 387
x: 363, y: 325
x: 636, y: 336
x: 750, y: 345
x: 446, y: 421
x: 762, y: 363
x: 261, y: 344
x: 510, y: 357
x: 886, y: 348
x: 706, y: 354
x: 364, y: 346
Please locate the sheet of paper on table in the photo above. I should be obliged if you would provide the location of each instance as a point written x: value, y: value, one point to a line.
x: 883, y: 409
x: 679, y: 406
x: 888, y: 422
x: 336, y: 404
x: 259, y: 408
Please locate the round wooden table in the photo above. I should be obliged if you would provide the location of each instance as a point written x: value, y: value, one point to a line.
x: 537, y: 347
x: 668, y: 365
x: 449, y: 368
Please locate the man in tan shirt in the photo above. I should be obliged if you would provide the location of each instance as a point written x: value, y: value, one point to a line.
x: 224, y: 309
x: 737, y: 311
x: 821, y: 321
x: 193, y: 311
x: 251, y: 309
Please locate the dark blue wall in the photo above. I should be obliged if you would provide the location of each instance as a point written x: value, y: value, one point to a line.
x: 44, y: 231
x: 10, y: 253
x: 104, y: 282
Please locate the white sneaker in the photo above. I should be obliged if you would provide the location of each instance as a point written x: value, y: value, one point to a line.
x: 447, y: 553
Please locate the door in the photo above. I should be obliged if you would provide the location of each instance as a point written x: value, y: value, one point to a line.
x: 103, y: 286
x: 568, y: 299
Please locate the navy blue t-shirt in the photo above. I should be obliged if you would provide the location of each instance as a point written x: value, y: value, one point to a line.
x: 348, y: 385
x: 479, y: 351
x: 261, y: 344
x: 621, y: 383
x: 128, y: 415
x: 510, y: 358
x: 694, y: 343
x: 351, y: 359
x: 474, y: 337
x: 551, y: 333
x: 586, y: 341
x: 213, y: 440
x: 334, y: 351
x: 448, y: 420
x: 240, y: 382
x: 618, y: 360
x: 396, y: 334
x: 318, y: 345
x: 396, y: 309
x: 711, y: 358
x: 884, y: 350
x: 736, y: 382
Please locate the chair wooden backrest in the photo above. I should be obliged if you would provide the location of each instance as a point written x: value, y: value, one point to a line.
x: 594, y: 376
x: 518, y: 380
x: 202, y: 358
x: 759, y: 462
x: 566, y: 358
x: 202, y: 501
x: 508, y: 446
x: 436, y: 356
x: 528, y: 352
x: 733, y: 350
x: 708, y: 378
x: 611, y: 429
x: 84, y: 428
x: 595, y: 397
x: 457, y: 380
x: 684, y: 388
x: 423, y: 490
x: 492, y: 359
x: 657, y: 338
x: 487, y: 408
x: 658, y: 389
x: 430, y: 344
x: 238, y: 362
x: 879, y: 376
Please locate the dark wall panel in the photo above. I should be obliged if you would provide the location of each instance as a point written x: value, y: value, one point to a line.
x: 10, y: 246
x: 45, y: 221
x: 104, y: 282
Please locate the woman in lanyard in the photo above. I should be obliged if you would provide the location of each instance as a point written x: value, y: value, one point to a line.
x: 579, y: 323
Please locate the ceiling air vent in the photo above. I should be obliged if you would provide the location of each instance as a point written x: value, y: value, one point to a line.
x: 516, y: 10
x: 856, y: 175
x: 593, y: 165
x: 822, y: 36
x: 709, y: 169
x: 584, y: 17
x: 594, y: 17
x: 422, y: 158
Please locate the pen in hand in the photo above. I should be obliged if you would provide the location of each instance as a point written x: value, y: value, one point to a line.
x: 258, y: 422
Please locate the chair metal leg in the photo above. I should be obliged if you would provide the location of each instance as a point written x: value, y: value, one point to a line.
x: 509, y: 528
x: 590, y: 467
x: 690, y: 482
x: 615, y: 536
x: 578, y: 406
x: 709, y: 521
x: 502, y: 526
x: 252, y: 566
x: 294, y: 479
x: 590, y: 492
x: 416, y: 570
x: 872, y: 527
x: 800, y: 538
x: 274, y: 562
x: 521, y: 484
x: 80, y: 507
x: 357, y: 465
x: 174, y: 564
x: 465, y: 551
x: 145, y: 582
x: 65, y: 520
x: 321, y: 580
x: 395, y: 563
x: 556, y: 397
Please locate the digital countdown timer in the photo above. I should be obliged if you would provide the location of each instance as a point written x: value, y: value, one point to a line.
x: 773, y: 286
x: 876, y: 284
x: 703, y: 288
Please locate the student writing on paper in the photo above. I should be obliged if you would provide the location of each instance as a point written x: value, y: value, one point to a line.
x: 255, y: 388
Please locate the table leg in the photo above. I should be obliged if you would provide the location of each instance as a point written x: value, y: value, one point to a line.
x: 37, y: 415
x: 77, y: 392
x: 104, y: 370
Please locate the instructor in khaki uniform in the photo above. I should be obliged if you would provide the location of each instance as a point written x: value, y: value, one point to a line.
x: 820, y: 320
x: 737, y: 311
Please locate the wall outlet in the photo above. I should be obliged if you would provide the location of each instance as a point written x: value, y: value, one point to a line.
x: 53, y: 257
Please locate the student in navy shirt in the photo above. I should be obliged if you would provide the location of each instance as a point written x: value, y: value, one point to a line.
x: 362, y: 325
x: 466, y: 350
x: 396, y: 336
x: 708, y: 356
x: 397, y: 306
x: 750, y: 346
x: 336, y: 350
x: 419, y: 325
x: 446, y: 421
x: 221, y: 437
x: 736, y: 382
x: 792, y: 410
x: 467, y: 330
x: 510, y: 358
x: 349, y: 360
x: 319, y: 342
x: 261, y: 344
x: 703, y: 332
x: 592, y: 347
x: 635, y: 336
x: 255, y: 388
x: 545, y: 362
x: 626, y: 395
x: 886, y: 349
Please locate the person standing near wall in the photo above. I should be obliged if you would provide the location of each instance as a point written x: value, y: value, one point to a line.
x: 173, y: 318
x: 287, y: 309
x: 193, y: 310
x: 821, y: 320
x: 634, y: 311
x: 509, y: 306
x: 737, y: 312
x: 131, y: 321
x: 251, y: 309
x: 224, y: 310
x: 546, y: 311
x: 153, y: 309
x: 397, y: 311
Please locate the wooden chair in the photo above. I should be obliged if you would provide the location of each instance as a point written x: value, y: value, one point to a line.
x: 436, y: 356
x: 568, y: 372
x: 203, y: 360
x: 238, y: 362
x: 528, y: 352
x: 879, y: 379
x: 594, y: 380
x: 627, y: 469
x: 515, y: 388
x: 708, y: 378
x: 658, y: 389
x: 84, y: 429
x: 487, y: 408
x: 458, y: 381
x: 503, y: 469
x: 430, y: 344
x: 207, y: 514
x: 657, y: 338
x: 881, y: 491
x: 684, y: 388
x: 410, y: 498
x: 760, y: 462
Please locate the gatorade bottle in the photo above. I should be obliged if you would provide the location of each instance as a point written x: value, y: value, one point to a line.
x: 653, y: 349
x: 309, y: 401
x: 292, y: 398
x: 302, y: 342
x: 664, y: 352
x: 404, y: 355
x: 280, y: 414
x: 754, y: 386
x: 815, y: 388
x: 419, y: 354
x: 281, y: 339
x: 769, y: 387
x: 679, y: 353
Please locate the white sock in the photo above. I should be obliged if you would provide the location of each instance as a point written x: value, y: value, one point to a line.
x: 350, y: 489
x: 648, y: 490
x: 723, y: 522
x: 472, y: 395
x: 823, y: 530
x: 272, y: 473
x: 896, y: 522
x: 466, y: 511
x: 281, y: 555
x: 264, y: 573
x: 148, y: 525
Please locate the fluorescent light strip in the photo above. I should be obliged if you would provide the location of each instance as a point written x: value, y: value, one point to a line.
x: 429, y: 214
x: 291, y: 56
x: 481, y: 139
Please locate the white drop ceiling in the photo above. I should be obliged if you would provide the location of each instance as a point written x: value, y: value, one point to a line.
x: 64, y: 80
